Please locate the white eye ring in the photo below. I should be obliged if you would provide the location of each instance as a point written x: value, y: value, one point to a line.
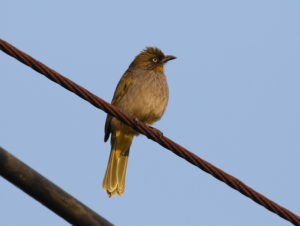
x: 154, y: 60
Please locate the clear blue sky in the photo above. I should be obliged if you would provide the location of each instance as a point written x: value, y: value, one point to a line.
x: 234, y: 101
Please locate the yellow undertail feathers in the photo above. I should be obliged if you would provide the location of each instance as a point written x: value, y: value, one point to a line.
x: 114, y: 179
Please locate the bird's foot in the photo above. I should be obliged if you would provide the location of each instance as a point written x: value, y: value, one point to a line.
x: 160, y: 134
x: 136, y: 121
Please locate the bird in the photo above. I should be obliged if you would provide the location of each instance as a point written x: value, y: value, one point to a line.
x: 143, y: 93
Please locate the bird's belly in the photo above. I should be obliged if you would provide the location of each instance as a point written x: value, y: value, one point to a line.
x: 149, y: 108
x: 147, y: 102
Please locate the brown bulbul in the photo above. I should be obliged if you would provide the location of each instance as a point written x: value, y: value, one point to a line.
x: 143, y: 93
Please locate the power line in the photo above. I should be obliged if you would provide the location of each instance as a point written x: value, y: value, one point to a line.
x: 150, y: 133
x: 47, y: 193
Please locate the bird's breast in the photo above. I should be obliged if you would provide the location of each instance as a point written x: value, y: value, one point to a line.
x: 147, y: 97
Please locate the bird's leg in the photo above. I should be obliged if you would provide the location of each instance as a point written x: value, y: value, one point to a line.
x: 136, y: 120
x: 160, y: 134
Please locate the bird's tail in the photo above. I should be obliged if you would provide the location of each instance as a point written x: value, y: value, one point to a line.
x: 114, y: 179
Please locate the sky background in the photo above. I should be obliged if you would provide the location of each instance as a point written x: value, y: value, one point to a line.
x: 234, y: 101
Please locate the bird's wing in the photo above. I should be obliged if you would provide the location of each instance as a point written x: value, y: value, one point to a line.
x: 122, y: 87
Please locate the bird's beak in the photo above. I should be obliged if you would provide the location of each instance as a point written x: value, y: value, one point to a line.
x: 167, y: 58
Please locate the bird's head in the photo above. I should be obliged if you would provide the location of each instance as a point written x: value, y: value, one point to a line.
x: 151, y: 59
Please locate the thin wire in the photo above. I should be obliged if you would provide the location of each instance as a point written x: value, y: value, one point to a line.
x: 150, y: 133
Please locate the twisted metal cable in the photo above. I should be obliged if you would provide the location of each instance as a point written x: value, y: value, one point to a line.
x: 151, y: 133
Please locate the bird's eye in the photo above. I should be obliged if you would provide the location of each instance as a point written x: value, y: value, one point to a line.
x: 154, y: 60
